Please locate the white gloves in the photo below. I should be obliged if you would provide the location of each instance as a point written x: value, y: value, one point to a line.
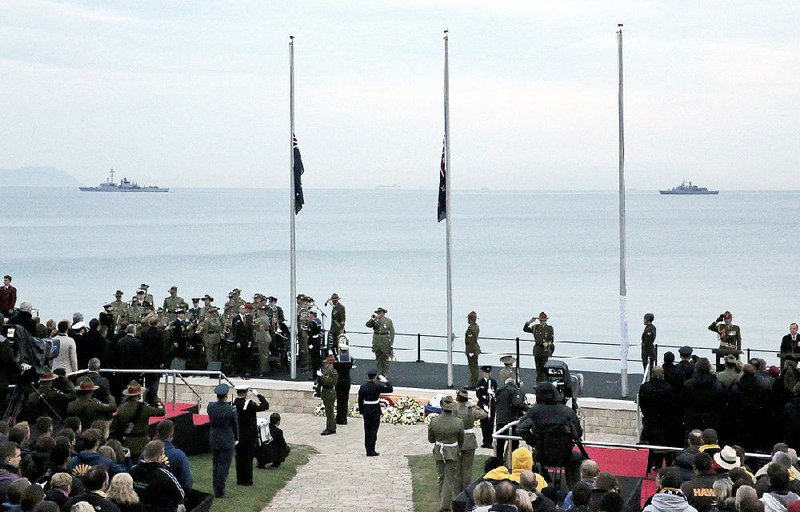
x: 382, y: 378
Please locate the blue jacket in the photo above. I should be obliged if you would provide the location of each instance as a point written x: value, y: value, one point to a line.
x: 179, y: 466
x: 87, y: 458
x: 224, y: 426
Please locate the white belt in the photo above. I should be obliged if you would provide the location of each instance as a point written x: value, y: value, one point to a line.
x: 442, y: 446
x: 469, y: 430
x: 371, y: 402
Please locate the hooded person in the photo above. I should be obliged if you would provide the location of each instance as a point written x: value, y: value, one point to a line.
x: 669, y: 497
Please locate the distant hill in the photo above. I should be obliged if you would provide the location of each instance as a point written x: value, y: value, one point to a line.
x: 36, y: 177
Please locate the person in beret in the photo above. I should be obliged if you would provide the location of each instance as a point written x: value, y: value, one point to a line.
x: 382, y: 339
x: 223, y: 437
x: 728, y: 333
x: 472, y: 348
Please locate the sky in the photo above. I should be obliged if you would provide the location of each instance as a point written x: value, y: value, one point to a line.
x: 196, y: 94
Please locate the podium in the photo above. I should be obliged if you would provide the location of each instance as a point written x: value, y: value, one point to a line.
x: 721, y: 353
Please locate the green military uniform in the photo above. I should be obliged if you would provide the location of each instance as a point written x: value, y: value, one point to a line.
x: 544, y: 342
x: 48, y: 400
x: 382, y: 340
x: 508, y: 371
x: 472, y: 349
x: 172, y: 303
x: 338, y: 319
x: 87, y: 408
x: 327, y: 385
x: 211, y: 330
x: 730, y: 335
x: 469, y: 414
x: 263, y: 339
x: 120, y: 308
x: 446, y: 431
x: 135, y: 314
x: 131, y: 422
x: 302, y: 330
x: 147, y: 296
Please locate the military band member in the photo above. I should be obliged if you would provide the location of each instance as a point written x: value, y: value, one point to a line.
x: 485, y: 391
x: 343, y: 365
x: 120, y: 308
x: 369, y: 407
x: 469, y: 414
x: 338, y: 319
x: 135, y: 314
x: 446, y: 432
x: 544, y: 342
x: 246, y: 410
x: 242, y: 334
x: 230, y: 310
x: 131, y: 422
x: 179, y: 333
x: 262, y: 338
x: 275, y: 315
x: 303, y: 307
x: 382, y: 339
x: 314, y: 341
x: 196, y: 311
x: 472, y: 348
x: 85, y: 407
x: 211, y: 330
x: 173, y: 302
x: 508, y: 371
x: 327, y: 390
x: 729, y: 334
x: 649, y: 342
x: 207, y: 300
x: 147, y: 296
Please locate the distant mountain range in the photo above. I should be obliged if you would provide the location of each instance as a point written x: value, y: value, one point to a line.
x: 36, y: 177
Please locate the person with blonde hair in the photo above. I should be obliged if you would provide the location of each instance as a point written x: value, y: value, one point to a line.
x: 483, y: 496
x: 523, y: 501
x: 82, y: 506
x: 121, y: 493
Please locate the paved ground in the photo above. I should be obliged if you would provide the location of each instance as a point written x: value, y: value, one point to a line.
x: 342, y: 477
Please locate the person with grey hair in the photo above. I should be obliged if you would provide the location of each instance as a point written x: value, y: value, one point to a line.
x: 539, y: 502
x: 509, y: 406
x: 780, y: 459
x: 23, y: 317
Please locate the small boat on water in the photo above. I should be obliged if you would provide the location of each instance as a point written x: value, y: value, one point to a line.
x: 688, y: 189
x: 124, y: 185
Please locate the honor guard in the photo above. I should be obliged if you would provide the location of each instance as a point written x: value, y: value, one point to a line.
x: 47, y: 400
x: 729, y: 334
x: 369, y: 406
x: 326, y: 385
x: 248, y: 404
x: 315, y: 335
x: 544, y: 342
x: 343, y: 365
x: 446, y: 432
x: 485, y: 391
x: 338, y: 319
x: 382, y: 339
x: 120, y: 308
x: 85, y: 407
x: 469, y: 414
x: 131, y: 422
x: 508, y: 371
x: 648, y: 341
x: 472, y: 348
x: 223, y: 437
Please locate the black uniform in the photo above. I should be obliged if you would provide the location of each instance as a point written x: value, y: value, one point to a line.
x: 343, y: 365
x: 242, y: 332
x: 248, y: 435
x: 510, y: 404
x: 315, y: 345
x: 486, y: 402
x: 158, y: 489
x: 370, y: 409
x: 649, y: 346
x: 660, y: 419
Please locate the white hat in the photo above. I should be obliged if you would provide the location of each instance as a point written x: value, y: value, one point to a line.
x: 727, y: 458
x: 78, y: 325
x: 242, y: 387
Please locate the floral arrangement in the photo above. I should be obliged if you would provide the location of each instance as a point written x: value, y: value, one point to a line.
x: 404, y: 411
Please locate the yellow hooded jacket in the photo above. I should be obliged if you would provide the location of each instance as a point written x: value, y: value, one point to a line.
x: 521, y: 460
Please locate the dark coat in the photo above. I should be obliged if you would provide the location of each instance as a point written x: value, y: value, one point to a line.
x: 92, y: 344
x: 704, y: 401
x: 129, y: 352
x: 224, y: 426
x: 750, y: 404
x: 156, y: 353
x: 248, y: 430
x: 242, y: 329
x: 659, y: 405
x: 158, y: 489
x: 510, y: 403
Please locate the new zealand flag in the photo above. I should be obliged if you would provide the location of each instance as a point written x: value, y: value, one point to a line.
x: 442, y: 207
x: 298, y: 171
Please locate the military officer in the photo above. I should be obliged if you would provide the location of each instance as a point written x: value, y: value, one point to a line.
x: 173, y: 302
x: 133, y: 417
x: 472, y: 349
x: 382, y: 339
x: 47, y: 400
x: 338, y: 319
x: 207, y: 300
x: 544, y: 342
x: 327, y: 390
x: 229, y: 310
x: 196, y: 311
x: 508, y: 371
x: 446, y: 432
x: 649, y: 341
x: 275, y: 315
x: 469, y: 414
x: 223, y: 437
x: 85, y: 406
x: 135, y: 314
x: 246, y: 411
x: 343, y: 365
x: 262, y: 338
x: 147, y: 296
x: 303, y: 307
x: 120, y: 308
x: 485, y: 391
x: 314, y: 341
x: 211, y: 330
x: 729, y: 334
x: 369, y: 406
x: 179, y: 333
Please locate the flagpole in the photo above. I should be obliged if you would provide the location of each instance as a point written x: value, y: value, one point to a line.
x: 448, y: 211
x: 292, y: 213
x: 624, y: 343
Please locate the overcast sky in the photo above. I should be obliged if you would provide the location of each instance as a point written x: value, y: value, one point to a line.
x: 196, y: 93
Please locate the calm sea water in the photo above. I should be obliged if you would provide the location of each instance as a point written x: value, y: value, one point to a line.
x: 514, y: 254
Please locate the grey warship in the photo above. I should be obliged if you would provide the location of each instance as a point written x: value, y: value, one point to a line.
x: 688, y: 189
x: 124, y: 185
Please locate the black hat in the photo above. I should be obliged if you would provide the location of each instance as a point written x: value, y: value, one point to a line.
x: 487, y: 369
x: 685, y: 350
x: 195, y: 299
x: 372, y: 372
x: 272, y: 299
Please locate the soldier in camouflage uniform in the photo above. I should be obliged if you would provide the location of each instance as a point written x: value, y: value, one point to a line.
x: 469, y: 414
x: 327, y: 390
x: 472, y: 348
x: 172, y: 303
x: 262, y: 339
x: 382, y: 339
x: 131, y: 422
x: 211, y: 330
x: 338, y: 319
x: 544, y: 342
x: 230, y: 310
x: 446, y: 432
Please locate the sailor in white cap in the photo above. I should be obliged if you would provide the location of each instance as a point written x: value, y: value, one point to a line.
x: 248, y: 404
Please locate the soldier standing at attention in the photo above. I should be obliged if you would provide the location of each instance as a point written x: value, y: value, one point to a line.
x: 131, y: 422
x: 338, y: 319
x: 230, y: 310
x: 730, y: 336
x: 446, y: 432
x: 508, y: 371
x: 262, y: 338
x: 369, y: 407
x: 120, y: 308
x: 343, y: 365
x: 327, y: 389
x: 49, y: 401
x: 85, y: 407
x: 303, y: 308
x: 382, y: 339
x: 207, y: 300
x: 487, y: 387
x: 174, y: 302
x: 472, y: 348
x: 469, y: 414
x: 223, y: 437
x: 148, y: 297
x: 242, y: 333
x: 314, y: 342
x: 246, y: 411
x: 211, y: 330
x: 195, y: 312
x: 275, y: 315
x: 544, y: 342
x: 648, y: 342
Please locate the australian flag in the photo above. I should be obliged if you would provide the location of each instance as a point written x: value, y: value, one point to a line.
x: 442, y: 207
x: 298, y: 171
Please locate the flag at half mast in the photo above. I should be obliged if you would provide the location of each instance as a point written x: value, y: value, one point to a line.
x: 442, y: 206
x: 297, y: 162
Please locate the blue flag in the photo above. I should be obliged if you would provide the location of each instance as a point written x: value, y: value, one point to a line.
x: 298, y: 171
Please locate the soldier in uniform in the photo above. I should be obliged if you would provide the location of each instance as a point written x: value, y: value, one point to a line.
x: 446, y: 432
x: 338, y: 319
x: 207, y: 300
x: 120, y: 308
x: 262, y: 338
x: 485, y: 391
x: 472, y: 348
x: 343, y: 365
x: 469, y: 414
x: 223, y: 437
x: 173, y: 302
x: 47, y: 400
x: 246, y: 411
x: 382, y: 339
x: 275, y: 315
x: 107, y: 321
x: 230, y: 310
x: 314, y: 341
x: 327, y: 390
x: 303, y: 308
x: 85, y: 407
x: 369, y: 407
x: 648, y: 342
x: 730, y: 336
x: 179, y: 333
x: 196, y: 311
x: 544, y: 342
x: 133, y: 417
x: 211, y: 330
x: 147, y: 296
x: 242, y: 334
x: 135, y: 314
x: 508, y: 371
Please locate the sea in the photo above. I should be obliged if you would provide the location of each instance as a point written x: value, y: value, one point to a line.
x: 514, y: 254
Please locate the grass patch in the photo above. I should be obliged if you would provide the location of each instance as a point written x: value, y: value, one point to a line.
x: 266, y: 482
x: 424, y: 484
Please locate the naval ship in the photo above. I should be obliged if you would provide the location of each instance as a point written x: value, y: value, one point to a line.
x: 689, y: 189
x: 125, y: 185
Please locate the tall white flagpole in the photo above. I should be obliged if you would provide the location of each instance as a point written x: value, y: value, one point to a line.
x: 292, y: 214
x: 448, y: 211
x: 624, y: 343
